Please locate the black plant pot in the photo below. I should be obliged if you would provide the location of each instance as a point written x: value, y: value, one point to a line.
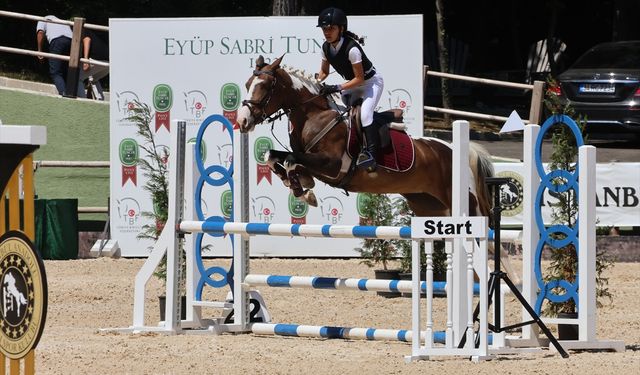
x: 162, y: 300
x: 388, y: 275
x: 568, y: 331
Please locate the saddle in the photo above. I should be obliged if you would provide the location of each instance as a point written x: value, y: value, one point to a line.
x: 396, y: 148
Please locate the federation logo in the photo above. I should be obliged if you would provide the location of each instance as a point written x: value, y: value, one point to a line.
x: 128, y: 210
x: 125, y: 102
x: 23, y: 294
x: 511, y: 193
x: 264, y: 209
x: 400, y: 99
x: 203, y: 148
x: 260, y: 148
x: 226, y: 204
x: 129, y: 153
x: 195, y: 103
x: 332, y: 209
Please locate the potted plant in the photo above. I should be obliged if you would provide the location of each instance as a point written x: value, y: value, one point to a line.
x: 564, y: 211
x: 402, y: 217
x: 377, y: 210
x: 154, y: 165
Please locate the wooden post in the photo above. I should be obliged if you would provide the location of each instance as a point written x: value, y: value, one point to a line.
x: 73, y: 74
x: 537, y: 103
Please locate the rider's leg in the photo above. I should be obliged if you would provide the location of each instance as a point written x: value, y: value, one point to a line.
x: 372, y: 92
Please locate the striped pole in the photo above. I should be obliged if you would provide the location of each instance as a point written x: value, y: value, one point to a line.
x: 298, y: 230
x: 317, y: 282
x: 330, y: 332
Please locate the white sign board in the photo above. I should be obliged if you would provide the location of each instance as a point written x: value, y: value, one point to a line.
x: 449, y: 227
x: 191, y: 68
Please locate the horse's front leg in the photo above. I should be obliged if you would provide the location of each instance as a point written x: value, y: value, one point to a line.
x: 275, y: 161
x: 300, y: 178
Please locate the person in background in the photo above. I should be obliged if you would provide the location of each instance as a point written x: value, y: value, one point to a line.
x: 343, y: 51
x: 59, y: 38
x: 95, y: 48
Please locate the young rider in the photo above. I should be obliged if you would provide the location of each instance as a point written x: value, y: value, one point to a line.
x: 343, y: 52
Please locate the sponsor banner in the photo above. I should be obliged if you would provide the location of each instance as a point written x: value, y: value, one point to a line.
x: 617, y: 194
x: 189, y: 69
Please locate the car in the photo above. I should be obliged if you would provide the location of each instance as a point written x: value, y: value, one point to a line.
x: 604, y: 85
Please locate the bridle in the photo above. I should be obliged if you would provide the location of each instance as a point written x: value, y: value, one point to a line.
x: 262, y: 103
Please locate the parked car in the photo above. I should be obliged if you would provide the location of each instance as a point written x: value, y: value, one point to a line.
x: 604, y: 85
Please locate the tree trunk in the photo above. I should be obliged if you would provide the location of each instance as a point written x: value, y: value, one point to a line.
x: 443, y: 56
x: 285, y: 7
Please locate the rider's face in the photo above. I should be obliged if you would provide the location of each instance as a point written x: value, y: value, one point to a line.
x: 331, y: 33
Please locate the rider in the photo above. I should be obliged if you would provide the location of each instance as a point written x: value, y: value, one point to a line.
x: 342, y: 50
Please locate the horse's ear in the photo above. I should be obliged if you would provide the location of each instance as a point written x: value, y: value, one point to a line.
x: 260, y: 62
x: 276, y: 63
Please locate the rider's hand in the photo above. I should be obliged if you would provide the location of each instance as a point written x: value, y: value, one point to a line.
x: 329, y: 89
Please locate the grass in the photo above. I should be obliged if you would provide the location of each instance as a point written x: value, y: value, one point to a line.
x: 76, y: 131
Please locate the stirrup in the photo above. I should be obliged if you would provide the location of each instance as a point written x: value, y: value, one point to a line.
x: 366, y: 161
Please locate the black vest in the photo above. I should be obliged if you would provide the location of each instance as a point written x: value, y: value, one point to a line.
x: 340, y: 61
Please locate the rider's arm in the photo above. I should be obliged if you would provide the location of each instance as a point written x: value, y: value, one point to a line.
x: 40, y: 41
x: 355, y: 57
x: 324, y: 70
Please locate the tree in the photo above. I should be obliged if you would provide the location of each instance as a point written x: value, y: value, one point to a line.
x: 443, y: 56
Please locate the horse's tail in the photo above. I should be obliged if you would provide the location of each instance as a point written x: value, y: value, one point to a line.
x: 482, y: 167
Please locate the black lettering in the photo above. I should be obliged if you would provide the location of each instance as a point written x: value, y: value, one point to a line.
x: 429, y: 228
x: 630, y: 197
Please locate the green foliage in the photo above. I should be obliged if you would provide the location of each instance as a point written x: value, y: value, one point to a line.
x: 153, y: 163
x: 564, y: 261
x: 402, y: 217
x: 378, y: 211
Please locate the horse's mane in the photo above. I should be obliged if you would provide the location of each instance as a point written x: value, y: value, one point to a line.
x: 313, y: 86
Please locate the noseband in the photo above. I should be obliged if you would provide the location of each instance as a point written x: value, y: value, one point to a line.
x: 262, y: 103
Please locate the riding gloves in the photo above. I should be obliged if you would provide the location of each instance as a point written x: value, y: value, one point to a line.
x: 329, y: 89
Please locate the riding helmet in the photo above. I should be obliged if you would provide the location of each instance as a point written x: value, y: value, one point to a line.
x: 332, y: 16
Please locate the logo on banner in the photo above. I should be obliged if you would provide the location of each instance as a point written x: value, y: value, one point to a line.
x: 332, y: 209
x: 195, y: 104
x: 260, y: 148
x: 162, y: 102
x: 128, y: 151
x: 203, y: 147
x: 298, y: 210
x: 264, y: 209
x: 23, y: 295
x: 511, y: 193
x: 401, y: 99
x: 129, y: 214
x: 125, y: 102
x: 226, y: 204
x: 361, y: 201
x: 230, y: 101
x: 225, y: 155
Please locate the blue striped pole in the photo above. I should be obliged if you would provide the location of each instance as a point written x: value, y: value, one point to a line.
x: 299, y: 230
x: 317, y: 282
x: 330, y: 332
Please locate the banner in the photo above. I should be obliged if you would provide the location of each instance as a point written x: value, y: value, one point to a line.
x: 191, y: 68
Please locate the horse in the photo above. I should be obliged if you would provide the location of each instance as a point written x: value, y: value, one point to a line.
x: 318, y: 140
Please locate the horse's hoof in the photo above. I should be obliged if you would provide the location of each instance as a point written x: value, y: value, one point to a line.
x: 286, y: 183
x: 310, y: 198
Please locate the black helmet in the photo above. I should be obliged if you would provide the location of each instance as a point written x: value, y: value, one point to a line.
x: 332, y: 16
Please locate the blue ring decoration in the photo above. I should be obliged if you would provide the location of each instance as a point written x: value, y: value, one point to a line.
x: 205, y: 124
x: 570, y: 180
x: 205, y: 176
x: 571, y: 234
x: 555, y: 119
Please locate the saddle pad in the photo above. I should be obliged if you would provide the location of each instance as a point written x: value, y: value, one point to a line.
x: 397, y: 156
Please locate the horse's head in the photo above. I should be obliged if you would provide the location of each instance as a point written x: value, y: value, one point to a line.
x: 260, y: 102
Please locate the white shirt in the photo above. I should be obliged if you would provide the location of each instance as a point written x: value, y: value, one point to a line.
x: 354, y: 53
x: 54, y: 30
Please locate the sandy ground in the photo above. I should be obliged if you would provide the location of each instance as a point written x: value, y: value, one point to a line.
x: 86, y: 295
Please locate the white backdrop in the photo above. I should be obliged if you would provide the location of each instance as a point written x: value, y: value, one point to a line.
x: 198, y: 67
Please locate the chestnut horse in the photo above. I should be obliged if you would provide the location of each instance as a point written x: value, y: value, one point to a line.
x: 318, y: 140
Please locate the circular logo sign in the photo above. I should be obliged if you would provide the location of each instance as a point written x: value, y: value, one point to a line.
x: 23, y: 295
x: 260, y: 147
x: 361, y: 201
x: 511, y: 193
x: 226, y: 203
x: 128, y: 151
x: 297, y: 208
x: 230, y: 96
x: 162, y: 98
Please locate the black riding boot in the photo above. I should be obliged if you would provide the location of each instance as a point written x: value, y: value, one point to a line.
x: 368, y: 155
